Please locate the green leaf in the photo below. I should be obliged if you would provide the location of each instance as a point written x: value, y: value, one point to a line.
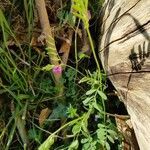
x: 110, y: 139
x: 74, y: 145
x: 91, y: 91
x: 78, y: 15
x: 84, y: 79
x: 32, y: 134
x: 112, y: 133
x: 59, y: 112
x: 102, y: 95
x: 23, y: 96
x: 101, y: 134
x: 102, y: 142
x: 88, y: 143
x: 84, y: 140
x: 1, y: 50
x: 76, y: 128
x: 48, y: 67
x: 77, y: 8
x: 107, y: 146
x: 86, y: 146
x: 86, y: 101
x: 72, y: 112
x: 98, y: 107
x: 101, y: 125
x: 47, y: 144
x: 84, y: 126
x: 82, y: 55
x: 10, y: 137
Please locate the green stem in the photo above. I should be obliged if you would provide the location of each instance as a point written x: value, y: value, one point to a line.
x: 76, y: 53
x: 94, y: 54
x: 98, y: 66
x: 104, y: 110
x: 64, y: 126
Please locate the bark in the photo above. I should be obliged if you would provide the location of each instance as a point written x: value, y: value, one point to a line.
x: 125, y: 53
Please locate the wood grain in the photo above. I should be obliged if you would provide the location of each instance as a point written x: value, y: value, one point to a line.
x: 125, y: 53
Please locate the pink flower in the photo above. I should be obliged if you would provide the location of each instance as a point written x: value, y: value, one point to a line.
x: 57, y: 69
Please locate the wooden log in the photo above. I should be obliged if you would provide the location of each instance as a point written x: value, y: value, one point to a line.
x: 125, y: 53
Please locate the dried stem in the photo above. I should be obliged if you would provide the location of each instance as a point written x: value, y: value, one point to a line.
x: 47, y: 36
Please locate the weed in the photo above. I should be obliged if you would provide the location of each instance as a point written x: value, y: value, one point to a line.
x: 80, y: 121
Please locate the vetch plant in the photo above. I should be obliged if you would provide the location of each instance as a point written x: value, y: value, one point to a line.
x: 57, y: 69
x: 95, y: 100
x: 60, y: 105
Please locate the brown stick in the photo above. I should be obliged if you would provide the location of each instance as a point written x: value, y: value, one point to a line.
x: 47, y: 35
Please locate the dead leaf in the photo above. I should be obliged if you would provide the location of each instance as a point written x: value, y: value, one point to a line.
x: 125, y: 128
x: 43, y: 115
x: 65, y: 47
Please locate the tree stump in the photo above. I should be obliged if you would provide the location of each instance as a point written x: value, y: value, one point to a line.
x: 125, y: 53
